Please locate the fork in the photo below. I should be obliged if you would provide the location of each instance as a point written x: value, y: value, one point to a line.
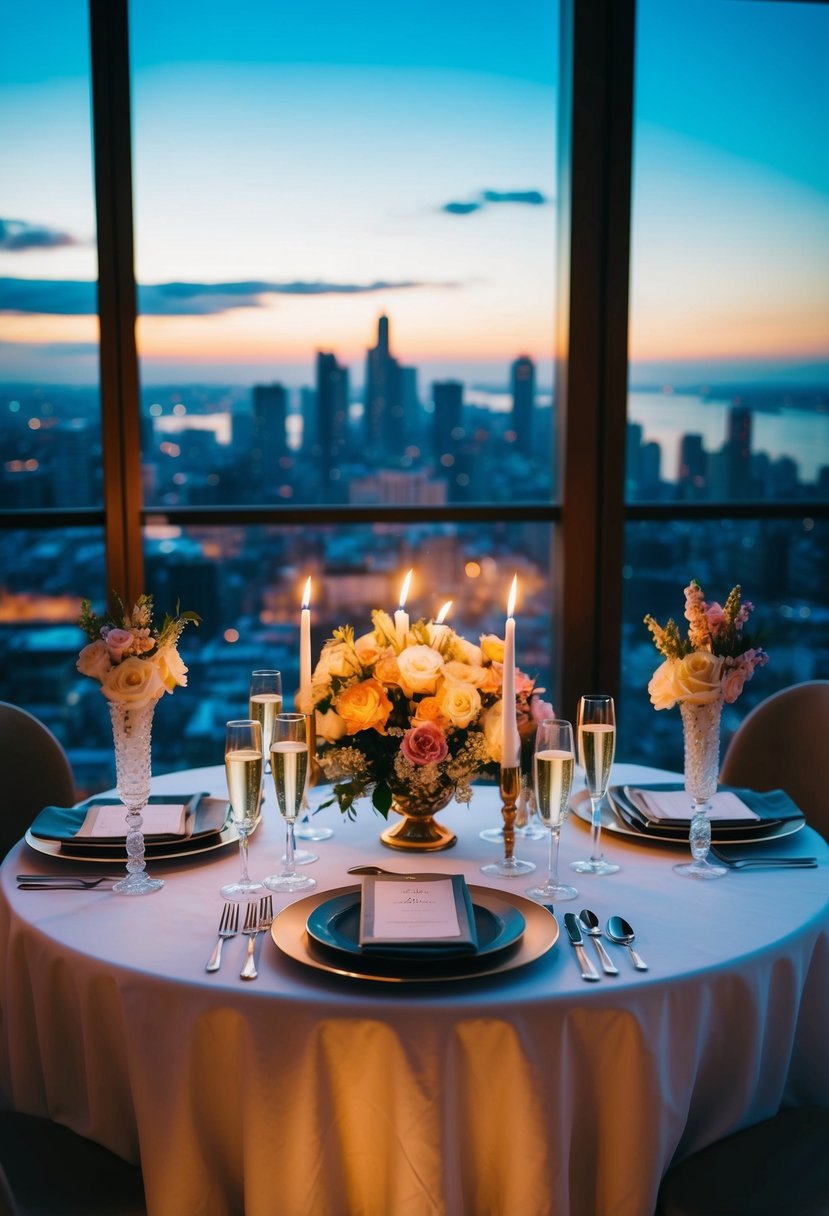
x: 255, y: 924
x: 228, y: 927
x: 60, y: 882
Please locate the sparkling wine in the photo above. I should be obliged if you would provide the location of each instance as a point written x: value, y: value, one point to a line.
x: 289, y: 765
x: 243, y: 767
x: 597, y: 741
x: 553, y: 782
x: 263, y: 707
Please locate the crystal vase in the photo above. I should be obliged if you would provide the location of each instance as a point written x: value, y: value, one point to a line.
x: 131, y: 731
x: 701, y: 734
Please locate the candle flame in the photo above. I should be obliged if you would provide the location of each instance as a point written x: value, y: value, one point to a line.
x: 306, y: 595
x: 512, y: 594
x: 404, y: 590
x: 444, y: 612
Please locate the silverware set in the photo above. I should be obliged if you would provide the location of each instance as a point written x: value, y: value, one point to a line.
x: 64, y: 882
x: 258, y: 919
x: 617, y: 930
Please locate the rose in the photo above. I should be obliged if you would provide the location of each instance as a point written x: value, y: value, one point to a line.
x: 466, y: 673
x: 338, y: 660
x: 330, y: 726
x: 429, y: 710
x: 364, y: 706
x: 492, y: 647
x: 367, y: 649
x: 419, y: 668
x: 386, y: 669
x: 460, y: 702
x: 424, y: 744
x: 467, y: 652
x: 94, y: 660
x: 171, y: 669
x: 697, y: 678
x: 118, y: 642
x: 134, y: 682
x: 491, y: 720
x: 661, y: 686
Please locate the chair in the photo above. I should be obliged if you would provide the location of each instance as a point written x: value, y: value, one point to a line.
x: 779, y: 745
x: 777, y: 1166
x: 36, y: 772
x: 48, y: 1170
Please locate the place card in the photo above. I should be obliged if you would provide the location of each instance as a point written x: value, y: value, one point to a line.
x: 109, y: 820
x: 661, y: 806
x: 417, y: 912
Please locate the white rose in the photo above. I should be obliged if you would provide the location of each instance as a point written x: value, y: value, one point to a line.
x: 460, y: 702
x: 467, y: 652
x: 171, y: 669
x: 661, y: 687
x: 134, y: 682
x: 330, y: 726
x: 698, y: 678
x: 466, y: 673
x: 337, y: 660
x: 419, y: 667
x: 94, y: 660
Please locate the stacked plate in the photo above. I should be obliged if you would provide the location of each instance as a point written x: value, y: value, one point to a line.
x: 323, y: 931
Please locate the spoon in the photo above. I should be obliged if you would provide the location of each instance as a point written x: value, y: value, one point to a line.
x: 590, y: 924
x: 619, y: 931
x: 393, y: 873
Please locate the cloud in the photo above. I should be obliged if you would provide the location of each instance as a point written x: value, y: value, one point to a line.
x: 16, y: 236
x: 532, y: 198
x: 66, y: 297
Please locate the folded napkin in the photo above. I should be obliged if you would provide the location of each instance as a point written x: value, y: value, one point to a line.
x: 771, y: 808
x: 434, y: 912
x: 671, y: 806
x: 201, y: 816
x: 106, y: 820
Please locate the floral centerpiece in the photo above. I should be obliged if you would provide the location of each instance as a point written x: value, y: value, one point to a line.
x: 136, y: 663
x: 701, y: 671
x: 415, y: 718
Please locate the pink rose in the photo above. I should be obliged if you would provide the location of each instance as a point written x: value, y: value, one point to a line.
x: 424, y: 744
x: 118, y: 643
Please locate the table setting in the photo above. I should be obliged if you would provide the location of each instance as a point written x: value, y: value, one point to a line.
x: 442, y: 1001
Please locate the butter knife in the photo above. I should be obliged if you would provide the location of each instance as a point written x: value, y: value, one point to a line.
x: 571, y: 924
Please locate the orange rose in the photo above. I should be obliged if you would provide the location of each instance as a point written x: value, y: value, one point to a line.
x: 386, y: 669
x: 364, y: 706
x: 429, y: 710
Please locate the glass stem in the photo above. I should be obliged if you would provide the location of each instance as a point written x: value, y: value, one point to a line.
x: 290, y: 868
x: 243, y: 853
x: 596, y: 828
x: 552, y: 868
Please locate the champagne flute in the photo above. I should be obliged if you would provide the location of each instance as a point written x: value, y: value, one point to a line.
x: 306, y: 829
x: 597, y: 747
x: 289, y: 768
x: 553, y: 765
x: 243, y: 768
x: 265, y: 701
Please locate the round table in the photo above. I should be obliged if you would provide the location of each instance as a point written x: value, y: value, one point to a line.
x: 530, y: 1092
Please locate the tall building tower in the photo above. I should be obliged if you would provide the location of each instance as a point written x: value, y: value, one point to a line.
x: 693, y: 467
x: 738, y: 447
x: 332, y: 415
x: 384, y: 421
x: 447, y: 421
x: 522, y: 383
x: 269, y: 442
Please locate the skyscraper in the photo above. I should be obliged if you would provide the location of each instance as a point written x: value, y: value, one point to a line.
x: 332, y: 416
x: 447, y: 428
x: 384, y: 421
x: 270, y: 407
x: 522, y: 382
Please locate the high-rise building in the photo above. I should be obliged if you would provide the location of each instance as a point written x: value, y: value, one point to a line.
x: 384, y: 420
x: 332, y: 416
x: 738, y: 446
x: 692, y: 474
x: 522, y: 384
x: 447, y: 421
x: 270, y: 442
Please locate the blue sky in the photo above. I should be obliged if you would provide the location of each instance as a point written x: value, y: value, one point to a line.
x: 298, y: 171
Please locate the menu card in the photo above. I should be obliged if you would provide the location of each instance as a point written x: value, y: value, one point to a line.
x: 109, y: 820
x: 661, y: 806
x: 417, y: 912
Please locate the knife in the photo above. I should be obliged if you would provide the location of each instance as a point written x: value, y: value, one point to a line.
x: 571, y: 924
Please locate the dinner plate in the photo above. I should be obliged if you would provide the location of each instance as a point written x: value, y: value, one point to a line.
x: 153, y: 852
x: 611, y: 822
x: 291, y: 937
x: 336, y: 924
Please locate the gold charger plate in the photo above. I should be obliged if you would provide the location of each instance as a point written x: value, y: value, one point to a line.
x: 227, y: 836
x: 580, y: 805
x: 291, y: 937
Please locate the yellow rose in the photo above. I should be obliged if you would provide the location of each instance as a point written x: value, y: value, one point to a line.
x: 491, y: 725
x: 460, y: 702
x: 466, y: 673
x: 134, y: 682
x: 662, y: 687
x: 171, y: 669
x: 367, y: 649
x: 364, y: 706
x: 697, y: 678
x: 386, y: 669
x: 419, y: 668
x: 492, y: 647
x: 330, y: 726
x: 337, y: 660
x: 466, y: 651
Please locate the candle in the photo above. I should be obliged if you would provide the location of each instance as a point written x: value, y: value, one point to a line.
x: 509, y: 720
x: 444, y: 612
x: 437, y: 630
x: 305, y: 651
x: 401, y: 617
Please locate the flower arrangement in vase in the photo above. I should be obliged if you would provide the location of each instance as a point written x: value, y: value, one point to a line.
x: 412, y: 719
x: 701, y: 671
x: 136, y: 663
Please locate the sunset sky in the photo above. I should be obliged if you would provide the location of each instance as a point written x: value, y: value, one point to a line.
x: 302, y: 171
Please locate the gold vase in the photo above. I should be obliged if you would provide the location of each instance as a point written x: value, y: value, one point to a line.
x: 417, y: 830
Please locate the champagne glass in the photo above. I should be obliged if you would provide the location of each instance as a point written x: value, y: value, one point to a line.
x: 553, y: 765
x: 243, y: 768
x: 597, y: 747
x: 289, y: 768
x: 306, y: 829
x: 265, y: 702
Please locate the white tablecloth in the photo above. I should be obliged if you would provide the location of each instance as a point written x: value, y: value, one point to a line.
x: 526, y: 1094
